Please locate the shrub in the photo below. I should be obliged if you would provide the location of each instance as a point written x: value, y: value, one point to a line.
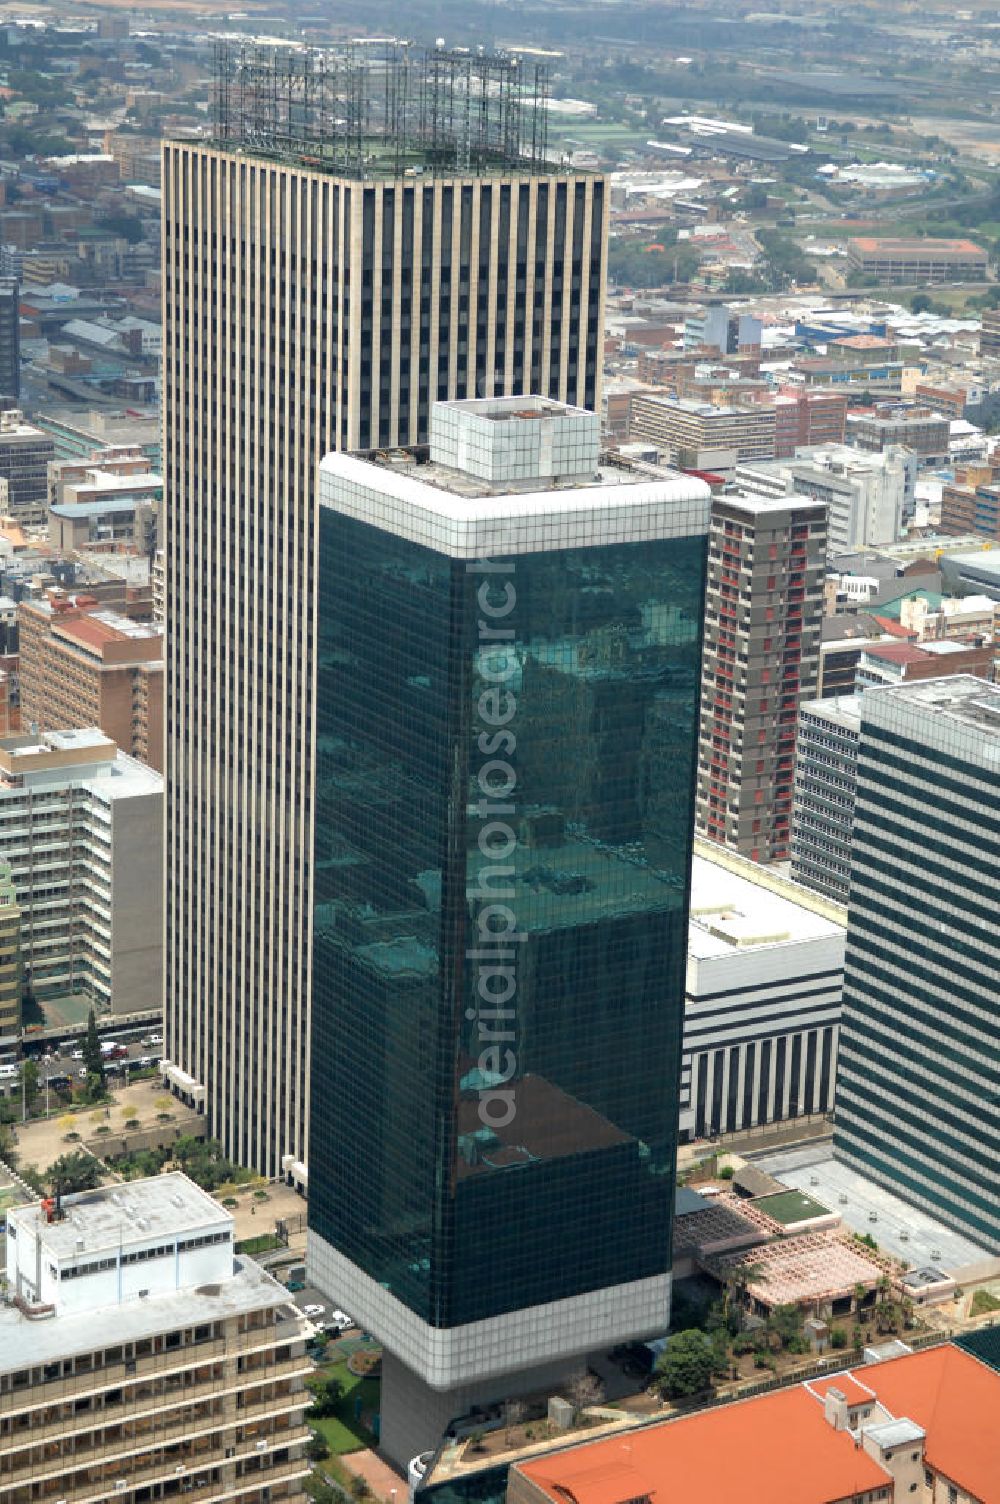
x: 838, y: 1338
x: 727, y: 1172
x: 326, y: 1397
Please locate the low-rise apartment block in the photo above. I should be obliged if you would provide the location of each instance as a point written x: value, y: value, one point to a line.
x: 111, y: 502
x: 701, y: 435
x: 10, y: 962
x: 989, y: 337
x: 82, y: 665
x: 809, y: 417
x: 883, y: 663
x: 141, y: 1360
x: 864, y: 493
x: 899, y: 259
x: 927, y: 433
x: 25, y: 452
x: 82, y: 828
x: 971, y: 504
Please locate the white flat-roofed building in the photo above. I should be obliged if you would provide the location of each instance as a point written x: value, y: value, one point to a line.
x: 142, y: 1239
x: 762, y: 1012
x: 81, y: 826
x: 140, y: 1359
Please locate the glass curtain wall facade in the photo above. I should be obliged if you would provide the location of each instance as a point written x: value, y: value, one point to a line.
x: 918, y: 1090
x: 496, y: 1117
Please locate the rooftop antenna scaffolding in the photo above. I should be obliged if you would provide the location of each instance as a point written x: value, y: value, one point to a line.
x: 377, y: 107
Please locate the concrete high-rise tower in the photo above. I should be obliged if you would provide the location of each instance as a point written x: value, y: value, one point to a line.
x: 763, y: 614
x: 918, y: 1080
x: 369, y: 230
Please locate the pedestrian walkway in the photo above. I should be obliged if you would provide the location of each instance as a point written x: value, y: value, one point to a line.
x: 384, y: 1482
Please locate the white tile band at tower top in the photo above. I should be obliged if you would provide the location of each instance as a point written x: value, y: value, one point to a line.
x: 589, y: 516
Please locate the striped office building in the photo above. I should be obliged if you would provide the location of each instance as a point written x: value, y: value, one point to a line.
x: 310, y: 306
x: 918, y: 1096
x: 762, y: 1012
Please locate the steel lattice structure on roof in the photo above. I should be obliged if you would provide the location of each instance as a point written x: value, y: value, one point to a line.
x: 382, y: 107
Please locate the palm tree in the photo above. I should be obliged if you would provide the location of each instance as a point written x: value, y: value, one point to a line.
x: 736, y: 1280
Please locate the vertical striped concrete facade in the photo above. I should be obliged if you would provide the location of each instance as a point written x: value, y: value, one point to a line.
x: 918, y: 1089
x: 302, y: 314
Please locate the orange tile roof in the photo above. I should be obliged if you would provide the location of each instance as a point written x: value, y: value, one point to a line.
x: 778, y: 1449
x: 853, y: 1392
x: 957, y: 1401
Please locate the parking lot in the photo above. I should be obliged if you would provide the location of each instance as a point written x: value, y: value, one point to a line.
x: 310, y: 1296
x: 61, y: 1062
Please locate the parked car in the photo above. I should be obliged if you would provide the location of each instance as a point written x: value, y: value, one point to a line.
x: 151, y: 1039
x: 294, y: 1285
x: 339, y: 1322
x: 76, y: 1055
x: 313, y: 1310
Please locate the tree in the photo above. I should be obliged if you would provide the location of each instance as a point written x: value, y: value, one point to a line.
x: 92, y: 1058
x: 316, y: 1448
x: 326, y: 1398
x: 316, y: 1488
x: 75, y: 1171
x: 737, y: 1280
x: 586, y: 1389
x: 513, y: 1414
x: 686, y: 1364
x: 29, y: 1082
x: 785, y: 1323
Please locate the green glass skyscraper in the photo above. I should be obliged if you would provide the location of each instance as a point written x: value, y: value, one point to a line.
x: 509, y: 637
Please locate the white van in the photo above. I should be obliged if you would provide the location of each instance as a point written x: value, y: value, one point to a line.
x: 9, y: 1072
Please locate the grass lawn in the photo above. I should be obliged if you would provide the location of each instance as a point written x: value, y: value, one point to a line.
x: 982, y: 1302
x: 789, y: 1207
x: 345, y: 1431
